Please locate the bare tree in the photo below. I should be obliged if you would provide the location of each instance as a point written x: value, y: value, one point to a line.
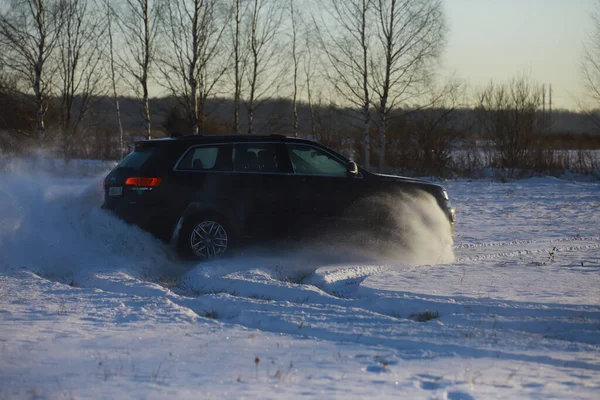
x: 193, y: 64
x: 79, y: 56
x: 510, y: 116
x: 139, y: 24
x: 296, y: 62
x: 113, y: 77
x: 410, y: 37
x: 237, y: 59
x: 590, y: 72
x: 265, y: 54
x: 309, y: 74
x: 346, y: 46
x: 425, y: 139
x: 29, y: 30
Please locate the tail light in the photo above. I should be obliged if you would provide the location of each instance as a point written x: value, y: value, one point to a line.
x: 143, y: 182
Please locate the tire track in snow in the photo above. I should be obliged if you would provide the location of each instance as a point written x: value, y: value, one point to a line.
x: 517, y: 249
x: 342, y: 294
x: 336, y: 295
x: 522, y: 242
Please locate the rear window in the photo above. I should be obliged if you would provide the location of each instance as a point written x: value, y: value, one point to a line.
x: 137, y: 158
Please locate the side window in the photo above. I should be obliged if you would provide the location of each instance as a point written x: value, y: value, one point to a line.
x: 207, y: 158
x: 257, y: 157
x: 309, y: 160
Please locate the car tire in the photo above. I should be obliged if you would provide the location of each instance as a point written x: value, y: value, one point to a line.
x: 205, y: 237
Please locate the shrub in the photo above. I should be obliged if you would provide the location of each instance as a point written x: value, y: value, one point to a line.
x: 425, y: 316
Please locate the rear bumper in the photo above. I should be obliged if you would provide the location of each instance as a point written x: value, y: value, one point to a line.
x: 156, y: 220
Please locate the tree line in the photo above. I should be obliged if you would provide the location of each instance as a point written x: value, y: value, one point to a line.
x: 377, y: 59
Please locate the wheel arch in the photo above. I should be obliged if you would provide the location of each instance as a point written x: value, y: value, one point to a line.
x: 197, y: 209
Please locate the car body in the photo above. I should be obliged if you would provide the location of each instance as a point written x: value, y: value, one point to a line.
x: 211, y: 192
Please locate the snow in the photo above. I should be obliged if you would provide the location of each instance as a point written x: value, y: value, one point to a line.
x: 91, y: 307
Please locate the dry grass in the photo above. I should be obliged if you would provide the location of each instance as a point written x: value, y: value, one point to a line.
x: 424, y: 316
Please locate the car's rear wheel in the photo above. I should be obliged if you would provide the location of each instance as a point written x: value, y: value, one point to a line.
x: 205, y: 237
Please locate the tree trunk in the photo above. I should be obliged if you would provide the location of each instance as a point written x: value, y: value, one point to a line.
x: 294, y: 106
x: 114, y: 82
x: 382, y: 144
x: 250, y: 117
x: 40, y: 101
x: 366, y: 94
x: 236, y: 100
x: 192, y: 71
x: 295, y: 59
x: 311, y: 108
x: 254, y: 48
x: 146, y: 67
x: 386, y: 86
x: 367, y: 142
x: 201, y: 105
x: 147, y: 112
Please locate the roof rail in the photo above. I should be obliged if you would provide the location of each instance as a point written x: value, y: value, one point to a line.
x: 188, y: 136
x: 245, y: 136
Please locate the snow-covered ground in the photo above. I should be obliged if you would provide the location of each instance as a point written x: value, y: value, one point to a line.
x: 93, y: 308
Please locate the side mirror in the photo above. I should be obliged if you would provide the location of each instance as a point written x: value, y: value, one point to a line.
x: 352, y: 168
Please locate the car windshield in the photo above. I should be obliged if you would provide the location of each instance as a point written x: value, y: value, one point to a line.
x: 314, y: 161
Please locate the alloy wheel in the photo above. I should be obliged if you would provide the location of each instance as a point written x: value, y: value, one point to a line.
x: 208, y: 240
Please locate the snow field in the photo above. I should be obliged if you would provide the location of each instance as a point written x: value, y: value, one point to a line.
x: 93, y: 308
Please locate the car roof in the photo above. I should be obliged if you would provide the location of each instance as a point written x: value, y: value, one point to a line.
x: 181, y: 142
x: 200, y: 139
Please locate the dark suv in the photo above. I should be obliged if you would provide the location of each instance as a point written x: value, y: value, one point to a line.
x: 211, y: 192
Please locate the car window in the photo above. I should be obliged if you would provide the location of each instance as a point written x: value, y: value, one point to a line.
x: 137, y: 158
x: 257, y: 157
x: 207, y: 158
x: 309, y: 160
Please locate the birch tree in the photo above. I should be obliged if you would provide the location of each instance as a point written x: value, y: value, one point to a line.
x: 139, y: 25
x: 590, y: 71
x: 113, y: 76
x: 237, y: 63
x: 309, y: 74
x: 79, y: 67
x: 346, y: 40
x: 296, y: 55
x: 410, y: 38
x: 29, y: 31
x: 193, y: 63
x: 264, y: 66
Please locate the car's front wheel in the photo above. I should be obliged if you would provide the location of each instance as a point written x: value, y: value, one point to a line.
x: 205, y: 238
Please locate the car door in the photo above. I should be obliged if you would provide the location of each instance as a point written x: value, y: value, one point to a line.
x: 323, y: 188
x: 261, y: 172
x: 203, y: 179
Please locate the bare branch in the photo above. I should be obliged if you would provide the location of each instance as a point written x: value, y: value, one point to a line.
x: 139, y: 24
x: 194, y: 59
x: 29, y: 30
x: 346, y: 39
x: 80, y: 80
x: 411, y: 37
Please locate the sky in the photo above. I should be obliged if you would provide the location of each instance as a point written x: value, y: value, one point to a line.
x: 499, y: 39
